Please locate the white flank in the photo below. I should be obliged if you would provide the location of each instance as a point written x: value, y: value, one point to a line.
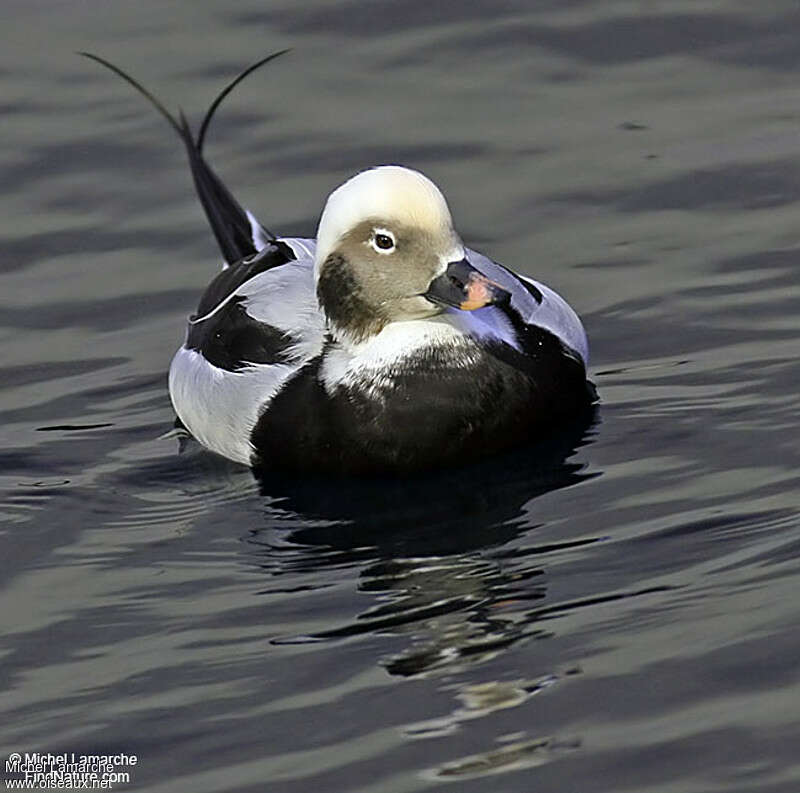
x: 553, y: 313
x: 220, y: 408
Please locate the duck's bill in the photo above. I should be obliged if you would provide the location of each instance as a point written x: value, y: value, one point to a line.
x: 464, y: 287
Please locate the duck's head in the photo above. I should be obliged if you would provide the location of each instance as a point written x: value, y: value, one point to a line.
x: 387, y: 252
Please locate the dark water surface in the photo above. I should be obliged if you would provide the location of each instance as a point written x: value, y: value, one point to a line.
x: 616, y: 612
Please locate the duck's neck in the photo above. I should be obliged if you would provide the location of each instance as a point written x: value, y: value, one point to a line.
x: 351, y: 320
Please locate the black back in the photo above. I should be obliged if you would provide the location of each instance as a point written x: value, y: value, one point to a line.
x: 230, y: 338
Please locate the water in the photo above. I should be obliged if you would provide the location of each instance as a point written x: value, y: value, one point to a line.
x: 617, y: 612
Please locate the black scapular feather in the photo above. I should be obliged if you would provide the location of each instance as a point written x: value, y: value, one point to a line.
x: 229, y: 221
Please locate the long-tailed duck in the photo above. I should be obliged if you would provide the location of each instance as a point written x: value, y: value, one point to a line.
x: 383, y: 345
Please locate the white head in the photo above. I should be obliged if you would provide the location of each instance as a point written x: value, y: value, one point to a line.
x: 384, y: 245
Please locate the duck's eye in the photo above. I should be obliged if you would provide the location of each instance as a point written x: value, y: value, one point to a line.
x: 383, y: 242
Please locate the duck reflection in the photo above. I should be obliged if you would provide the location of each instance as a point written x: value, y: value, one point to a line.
x: 431, y: 549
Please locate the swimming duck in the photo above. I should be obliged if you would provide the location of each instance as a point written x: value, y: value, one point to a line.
x: 384, y: 345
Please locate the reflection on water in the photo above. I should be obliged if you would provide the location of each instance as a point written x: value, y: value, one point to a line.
x: 430, y: 550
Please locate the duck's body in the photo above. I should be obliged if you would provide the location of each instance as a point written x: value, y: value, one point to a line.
x: 261, y: 381
x: 384, y: 345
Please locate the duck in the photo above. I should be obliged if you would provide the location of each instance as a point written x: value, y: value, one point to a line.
x: 383, y: 346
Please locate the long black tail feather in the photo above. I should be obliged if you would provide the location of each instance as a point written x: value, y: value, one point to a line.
x: 137, y: 86
x: 201, y: 135
x: 229, y: 221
